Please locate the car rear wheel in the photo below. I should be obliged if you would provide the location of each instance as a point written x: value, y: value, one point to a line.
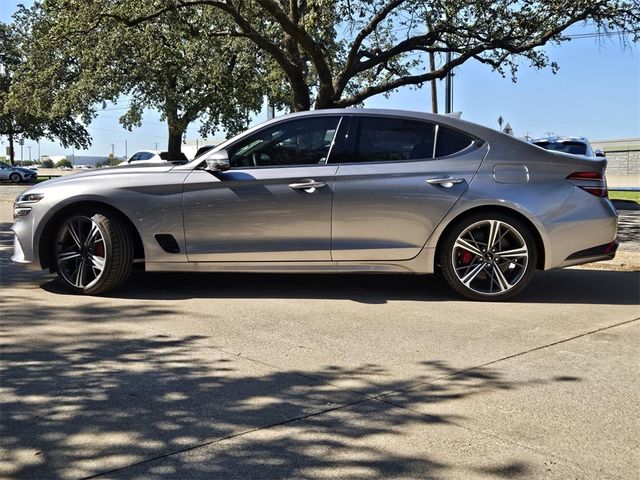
x: 489, y: 257
x: 15, y: 177
x: 93, y: 252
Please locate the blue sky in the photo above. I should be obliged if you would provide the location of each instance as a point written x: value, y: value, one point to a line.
x: 596, y: 94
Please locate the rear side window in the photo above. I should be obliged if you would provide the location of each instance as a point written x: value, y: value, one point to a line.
x: 145, y: 156
x: 451, y: 141
x: 389, y: 139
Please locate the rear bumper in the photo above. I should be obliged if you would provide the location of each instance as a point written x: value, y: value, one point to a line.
x: 593, y: 254
x: 584, y: 230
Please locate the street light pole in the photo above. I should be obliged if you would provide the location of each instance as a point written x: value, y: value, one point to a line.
x: 448, y: 87
x: 29, y: 148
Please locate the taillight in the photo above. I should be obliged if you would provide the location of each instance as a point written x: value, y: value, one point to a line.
x: 591, y: 182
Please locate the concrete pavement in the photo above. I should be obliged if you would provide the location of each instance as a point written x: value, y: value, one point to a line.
x: 265, y: 376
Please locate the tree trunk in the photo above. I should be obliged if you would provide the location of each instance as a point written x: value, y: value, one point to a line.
x: 300, y: 91
x: 12, y: 154
x: 175, y: 141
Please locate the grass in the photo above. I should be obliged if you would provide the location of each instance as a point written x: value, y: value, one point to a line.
x: 624, y: 195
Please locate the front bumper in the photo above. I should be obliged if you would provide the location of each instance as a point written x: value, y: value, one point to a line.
x: 23, y: 246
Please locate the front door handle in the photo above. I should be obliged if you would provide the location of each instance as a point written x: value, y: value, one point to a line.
x: 308, y: 186
x: 446, y: 182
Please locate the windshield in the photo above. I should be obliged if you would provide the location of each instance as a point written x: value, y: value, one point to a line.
x: 575, y: 148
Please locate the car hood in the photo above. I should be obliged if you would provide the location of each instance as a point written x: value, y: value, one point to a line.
x: 109, y: 172
x: 22, y: 170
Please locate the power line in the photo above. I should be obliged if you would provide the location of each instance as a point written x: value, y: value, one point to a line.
x: 127, y: 132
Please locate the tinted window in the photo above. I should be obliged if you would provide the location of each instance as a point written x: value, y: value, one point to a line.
x: 576, y: 148
x: 298, y: 142
x: 145, y: 156
x: 387, y: 139
x: 451, y: 141
x: 135, y: 157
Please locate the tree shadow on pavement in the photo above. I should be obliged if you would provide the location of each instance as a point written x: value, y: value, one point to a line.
x: 92, y: 398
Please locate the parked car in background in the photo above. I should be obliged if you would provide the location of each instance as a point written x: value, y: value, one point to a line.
x: 204, y: 149
x: 571, y: 145
x: 342, y: 190
x: 17, y: 174
x: 154, y: 156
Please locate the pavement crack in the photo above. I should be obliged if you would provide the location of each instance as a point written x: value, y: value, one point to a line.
x: 367, y: 398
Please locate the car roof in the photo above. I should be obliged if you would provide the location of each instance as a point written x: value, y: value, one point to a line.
x: 155, y: 152
x: 559, y: 139
x: 486, y: 134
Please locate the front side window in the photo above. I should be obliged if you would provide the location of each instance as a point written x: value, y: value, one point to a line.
x: 305, y: 141
x: 389, y: 139
x: 135, y: 157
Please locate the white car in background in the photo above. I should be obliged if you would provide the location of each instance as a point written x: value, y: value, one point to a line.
x: 145, y: 156
x: 571, y: 145
x: 153, y: 156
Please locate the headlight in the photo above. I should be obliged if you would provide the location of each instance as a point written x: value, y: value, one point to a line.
x: 30, y: 198
x: 22, y: 206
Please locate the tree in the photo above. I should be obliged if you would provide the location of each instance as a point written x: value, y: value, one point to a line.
x: 18, y: 121
x: 64, y: 163
x: 112, y: 161
x: 173, y: 64
x: 338, y: 53
x: 47, y: 163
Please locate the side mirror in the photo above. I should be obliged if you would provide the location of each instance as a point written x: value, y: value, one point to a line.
x: 218, y: 162
x: 599, y: 153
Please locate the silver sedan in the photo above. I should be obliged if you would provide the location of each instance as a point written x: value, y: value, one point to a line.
x: 370, y: 191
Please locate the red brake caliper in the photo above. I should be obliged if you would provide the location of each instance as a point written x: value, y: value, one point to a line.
x: 466, y: 257
x: 100, y: 249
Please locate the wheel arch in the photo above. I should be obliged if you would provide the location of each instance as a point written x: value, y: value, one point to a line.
x: 49, y: 230
x: 540, y: 246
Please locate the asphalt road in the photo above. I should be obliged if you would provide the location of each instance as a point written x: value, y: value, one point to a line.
x: 318, y: 376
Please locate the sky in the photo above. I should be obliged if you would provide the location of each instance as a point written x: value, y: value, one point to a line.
x: 596, y: 94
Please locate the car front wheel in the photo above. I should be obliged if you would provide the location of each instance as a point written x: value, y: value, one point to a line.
x: 15, y: 177
x: 489, y: 257
x: 93, y: 252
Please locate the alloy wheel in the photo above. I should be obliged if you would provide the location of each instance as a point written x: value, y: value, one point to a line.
x: 80, y: 252
x: 490, y: 257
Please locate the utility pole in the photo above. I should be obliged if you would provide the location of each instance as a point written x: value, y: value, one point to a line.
x: 271, y: 110
x: 112, y: 155
x: 448, y: 87
x: 21, y: 149
x: 39, y: 151
x: 73, y: 156
x: 126, y: 155
x: 156, y: 145
x: 434, y: 87
x: 29, y: 148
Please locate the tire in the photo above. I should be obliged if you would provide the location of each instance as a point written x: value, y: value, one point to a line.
x: 15, y: 177
x: 488, y: 274
x: 93, y: 252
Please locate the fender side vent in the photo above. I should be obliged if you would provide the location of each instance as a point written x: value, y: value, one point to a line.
x: 167, y: 242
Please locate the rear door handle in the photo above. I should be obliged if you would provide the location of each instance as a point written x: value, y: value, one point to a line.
x: 308, y: 186
x: 446, y: 182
